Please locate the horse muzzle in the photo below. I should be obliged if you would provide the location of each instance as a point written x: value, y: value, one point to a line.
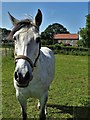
x: 22, y: 81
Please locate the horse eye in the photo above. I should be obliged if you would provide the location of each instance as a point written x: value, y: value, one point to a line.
x: 15, y: 62
x: 14, y: 38
x: 38, y: 40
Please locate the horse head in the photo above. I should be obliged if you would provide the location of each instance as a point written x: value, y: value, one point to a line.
x: 27, y: 47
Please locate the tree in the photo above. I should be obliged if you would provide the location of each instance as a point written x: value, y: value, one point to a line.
x: 88, y: 29
x: 85, y: 32
x: 49, y: 32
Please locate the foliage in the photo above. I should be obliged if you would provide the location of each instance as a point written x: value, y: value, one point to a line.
x: 68, y: 50
x: 68, y: 90
x: 49, y: 32
x: 85, y: 32
x: 3, y: 34
x: 80, y: 43
x: 88, y: 29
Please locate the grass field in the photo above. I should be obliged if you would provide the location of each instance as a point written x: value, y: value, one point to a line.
x: 68, y: 94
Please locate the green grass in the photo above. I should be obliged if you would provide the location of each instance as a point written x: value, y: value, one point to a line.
x: 68, y: 91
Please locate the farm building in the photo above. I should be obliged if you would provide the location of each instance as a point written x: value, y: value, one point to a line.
x: 66, y: 39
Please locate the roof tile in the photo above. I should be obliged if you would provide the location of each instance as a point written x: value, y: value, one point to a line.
x: 66, y: 36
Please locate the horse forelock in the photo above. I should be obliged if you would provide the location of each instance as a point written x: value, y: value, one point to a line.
x: 19, y: 25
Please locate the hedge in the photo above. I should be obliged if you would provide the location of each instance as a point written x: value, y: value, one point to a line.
x: 69, y: 50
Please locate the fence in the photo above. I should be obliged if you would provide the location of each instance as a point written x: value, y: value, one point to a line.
x: 7, y: 49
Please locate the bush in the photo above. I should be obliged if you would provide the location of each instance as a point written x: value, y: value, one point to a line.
x: 68, y: 50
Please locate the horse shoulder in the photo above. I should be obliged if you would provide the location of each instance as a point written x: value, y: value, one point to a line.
x: 47, y: 65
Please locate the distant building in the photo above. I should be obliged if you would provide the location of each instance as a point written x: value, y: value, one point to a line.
x: 66, y: 39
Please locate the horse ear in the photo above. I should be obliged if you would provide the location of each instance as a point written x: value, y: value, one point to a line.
x: 13, y: 20
x: 38, y: 18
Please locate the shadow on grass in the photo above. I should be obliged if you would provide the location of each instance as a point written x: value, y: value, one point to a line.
x: 78, y: 113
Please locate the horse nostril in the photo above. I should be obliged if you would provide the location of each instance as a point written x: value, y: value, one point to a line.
x: 27, y: 76
x: 16, y: 76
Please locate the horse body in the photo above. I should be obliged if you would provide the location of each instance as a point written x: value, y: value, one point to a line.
x: 42, y: 76
x: 34, y: 69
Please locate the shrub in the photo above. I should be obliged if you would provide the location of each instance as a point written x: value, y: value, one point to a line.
x: 68, y: 50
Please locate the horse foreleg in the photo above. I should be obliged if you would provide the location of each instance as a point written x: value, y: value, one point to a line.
x: 24, y: 114
x: 43, y: 102
x: 38, y: 105
x: 23, y: 103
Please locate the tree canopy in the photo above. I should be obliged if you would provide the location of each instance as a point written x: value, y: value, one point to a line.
x: 85, y: 32
x: 49, y: 32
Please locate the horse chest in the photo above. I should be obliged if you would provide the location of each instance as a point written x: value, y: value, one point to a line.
x: 35, y: 89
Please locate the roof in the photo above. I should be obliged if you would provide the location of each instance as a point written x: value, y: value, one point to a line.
x: 66, y: 36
